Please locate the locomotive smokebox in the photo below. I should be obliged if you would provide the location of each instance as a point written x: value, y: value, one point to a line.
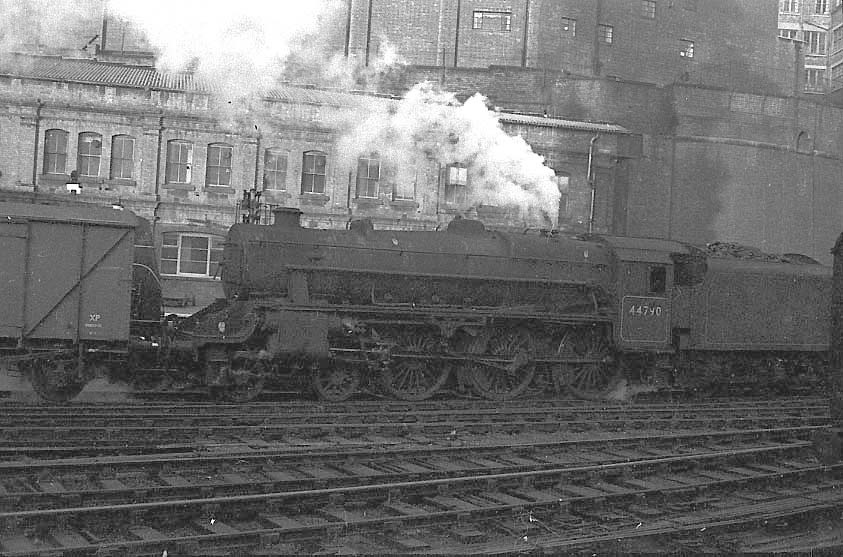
x: 287, y: 217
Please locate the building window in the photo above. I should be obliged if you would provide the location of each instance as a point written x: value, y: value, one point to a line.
x: 492, y: 20
x: 274, y: 170
x: 821, y: 7
x: 837, y: 40
x: 815, y: 80
x: 179, y: 161
x: 404, y: 189
x: 789, y: 6
x: 88, y: 153
x: 606, y: 34
x: 313, y: 172
x: 456, y: 182
x: 569, y: 27
x: 368, y: 176
x: 789, y: 33
x: 55, y: 151
x: 122, y: 156
x: 190, y: 254
x: 816, y: 42
x: 648, y: 9
x: 837, y: 76
x: 218, y: 168
x: 686, y: 49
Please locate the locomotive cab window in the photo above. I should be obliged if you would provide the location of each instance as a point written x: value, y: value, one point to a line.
x: 658, y: 280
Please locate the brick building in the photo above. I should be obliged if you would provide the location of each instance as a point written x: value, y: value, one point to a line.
x: 158, y: 144
x: 809, y: 22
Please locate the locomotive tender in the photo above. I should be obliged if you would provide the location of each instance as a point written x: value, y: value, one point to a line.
x: 409, y: 313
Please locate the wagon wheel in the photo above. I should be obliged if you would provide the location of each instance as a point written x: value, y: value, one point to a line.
x: 592, y: 380
x: 56, y: 380
x: 513, y: 371
x: 415, y: 378
x: 246, y: 379
x: 335, y: 382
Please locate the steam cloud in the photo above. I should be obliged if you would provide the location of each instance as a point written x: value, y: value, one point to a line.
x: 429, y: 124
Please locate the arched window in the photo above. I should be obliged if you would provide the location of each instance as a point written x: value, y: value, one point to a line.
x: 55, y: 151
x: 274, y: 169
x: 122, y: 157
x: 313, y: 172
x: 218, y: 168
x: 88, y: 154
x: 179, y: 161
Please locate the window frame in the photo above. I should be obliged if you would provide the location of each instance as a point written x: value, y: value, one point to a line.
x: 368, y: 187
x: 214, y: 248
x: 816, y: 42
x: 815, y: 80
x: 568, y: 25
x: 179, y: 165
x: 310, y: 173
x: 275, y: 170
x: 456, y: 187
x: 686, y: 49
x: 648, y: 9
x: 217, y: 173
x: 90, y: 156
x: 821, y: 7
x: 119, y: 161
x: 789, y: 7
x: 480, y: 17
x: 606, y: 33
x: 52, y: 152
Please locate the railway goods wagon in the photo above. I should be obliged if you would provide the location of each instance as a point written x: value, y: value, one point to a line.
x: 404, y: 311
x: 66, y: 302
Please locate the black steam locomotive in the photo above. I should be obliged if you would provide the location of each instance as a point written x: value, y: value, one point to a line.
x: 410, y: 314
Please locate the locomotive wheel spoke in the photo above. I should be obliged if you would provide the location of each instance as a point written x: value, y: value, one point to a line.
x: 414, y: 379
x: 56, y: 380
x: 590, y: 381
x: 335, y: 382
x: 504, y: 382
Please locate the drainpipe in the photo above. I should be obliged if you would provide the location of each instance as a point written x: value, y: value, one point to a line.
x: 526, y: 34
x: 258, y: 185
x: 369, y: 31
x: 158, y: 176
x: 348, y: 29
x: 38, y: 107
x: 595, y: 60
x: 592, y: 182
x: 457, y: 34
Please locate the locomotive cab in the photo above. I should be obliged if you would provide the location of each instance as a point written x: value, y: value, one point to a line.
x: 645, y: 283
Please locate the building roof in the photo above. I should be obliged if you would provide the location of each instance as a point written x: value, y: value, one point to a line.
x: 108, y: 74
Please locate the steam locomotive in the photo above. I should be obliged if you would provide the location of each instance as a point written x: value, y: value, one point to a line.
x: 412, y: 314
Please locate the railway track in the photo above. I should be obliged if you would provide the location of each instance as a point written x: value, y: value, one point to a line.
x: 493, y: 499
x: 102, y: 430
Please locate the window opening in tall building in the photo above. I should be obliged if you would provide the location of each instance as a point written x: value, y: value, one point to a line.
x: 122, y: 157
x: 789, y: 6
x: 648, y: 9
x: 492, y: 20
x: 456, y: 183
x: 274, y: 170
x: 196, y: 255
x: 606, y: 33
x: 569, y: 26
x: 821, y: 7
x: 218, y: 167
x: 179, y: 161
x: 368, y: 176
x: 88, y: 153
x: 686, y: 49
x: 313, y: 172
x: 55, y: 151
x: 792, y: 34
x: 816, y: 42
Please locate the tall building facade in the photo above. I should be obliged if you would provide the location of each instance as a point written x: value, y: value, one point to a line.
x: 809, y: 22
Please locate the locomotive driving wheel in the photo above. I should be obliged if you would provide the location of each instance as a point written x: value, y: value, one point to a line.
x: 415, y: 378
x: 335, y: 382
x: 509, y: 370
x: 57, y: 379
x: 590, y: 380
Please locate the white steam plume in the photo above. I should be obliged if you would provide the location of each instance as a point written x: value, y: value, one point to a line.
x: 33, y: 24
x: 429, y: 124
